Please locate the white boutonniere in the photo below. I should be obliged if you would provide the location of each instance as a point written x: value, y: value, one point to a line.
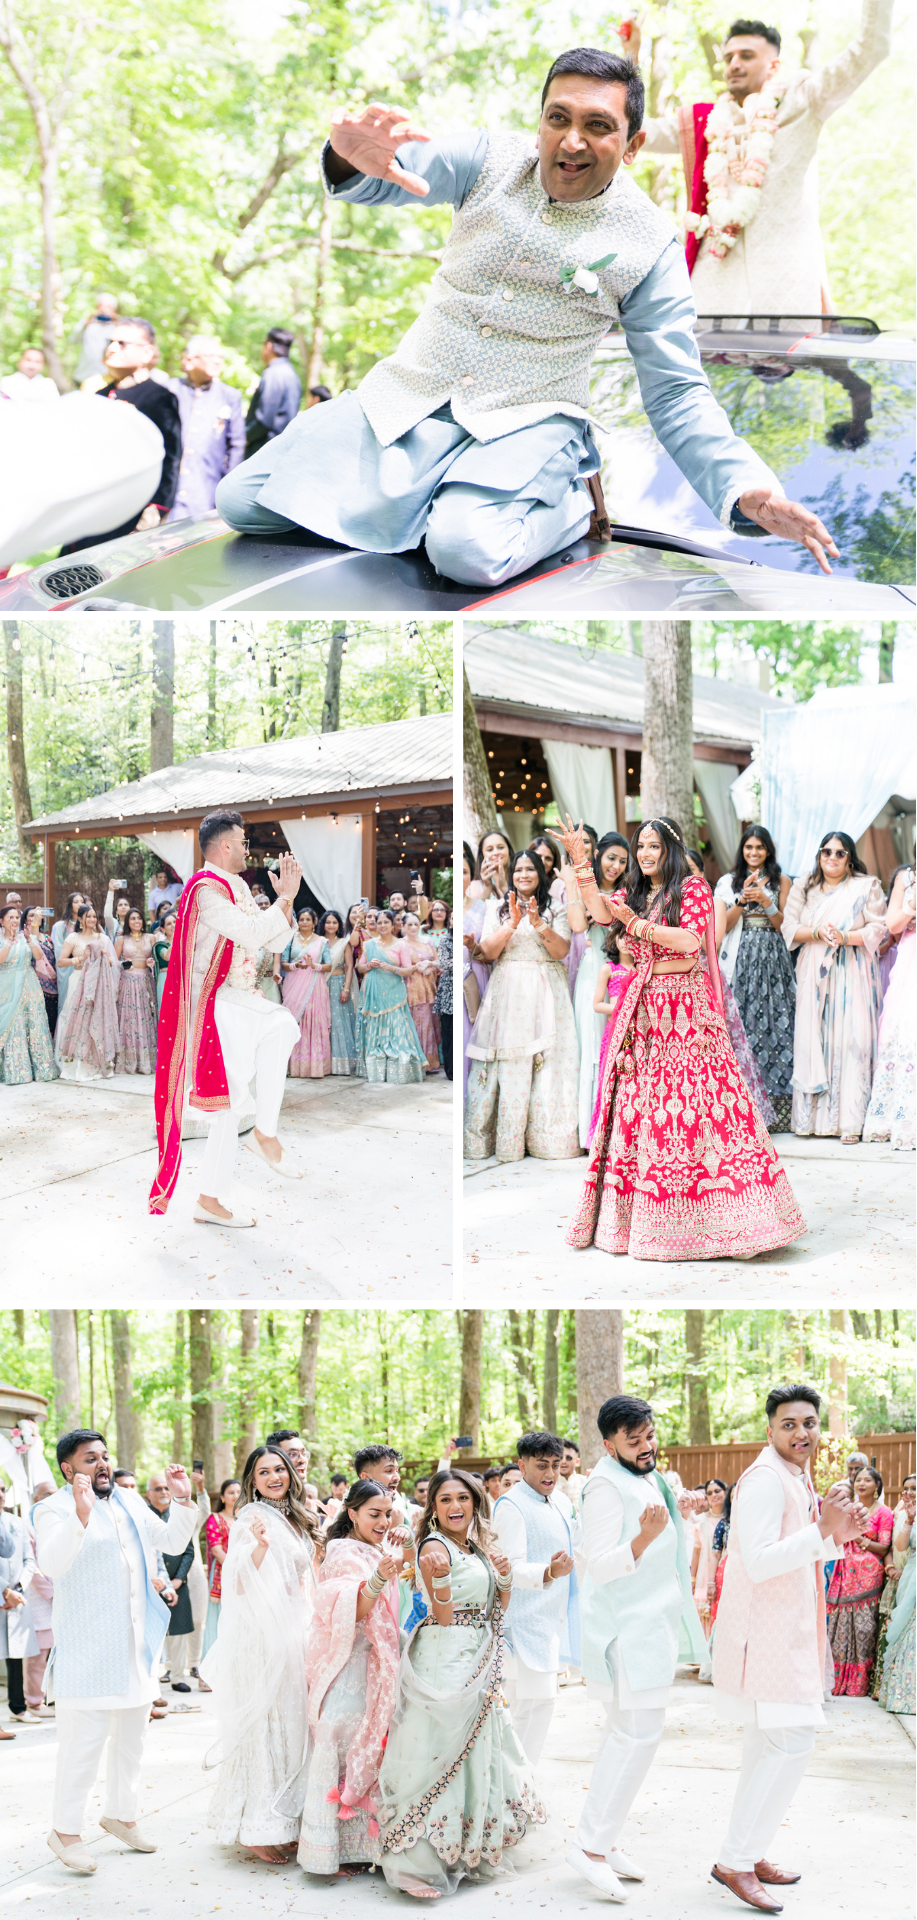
x: 586, y: 278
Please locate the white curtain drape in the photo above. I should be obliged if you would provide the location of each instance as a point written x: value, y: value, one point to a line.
x: 175, y: 846
x: 833, y: 764
x: 331, y: 856
x: 582, y: 783
x: 746, y: 794
x: 713, y: 779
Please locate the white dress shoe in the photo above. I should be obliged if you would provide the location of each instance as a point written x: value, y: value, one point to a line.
x: 286, y: 1167
x: 625, y: 1869
x: 77, y: 1858
x: 598, y: 1873
x: 131, y: 1836
x: 237, y: 1219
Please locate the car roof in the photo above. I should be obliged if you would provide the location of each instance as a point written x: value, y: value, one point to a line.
x: 815, y: 337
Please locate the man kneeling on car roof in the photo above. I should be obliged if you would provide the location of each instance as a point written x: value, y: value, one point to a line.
x: 475, y: 435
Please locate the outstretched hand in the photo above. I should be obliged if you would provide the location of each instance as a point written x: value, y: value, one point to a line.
x: 368, y: 141
x: 574, y: 843
x: 777, y: 515
x: 286, y: 883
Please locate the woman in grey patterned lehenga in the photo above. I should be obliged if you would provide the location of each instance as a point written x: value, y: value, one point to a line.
x: 749, y: 904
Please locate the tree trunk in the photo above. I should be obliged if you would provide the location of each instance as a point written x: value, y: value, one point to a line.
x: 599, y: 1372
x: 19, y: 1325
x: 223, y: 1449
x: 305, y: 1379
x: 480, y: 812
x: 549, y: 1378
x: 696, y: 1374
x: 314, y: 370
x: 667, y: 764
x: 200, y: 1369
x: 837, y: 1400
x: 248, y: 1390
x: 212, y: 687
x: 331, y: 709
x: 15, y: 739
x: 125, y: 1412
x: 162, y: 710
x: 178, y: 1387
x: 65, y: 1368
x: 520, y: 1341
x: 469, y: 1414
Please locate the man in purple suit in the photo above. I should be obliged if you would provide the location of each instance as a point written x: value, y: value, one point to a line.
x: 212, y: 427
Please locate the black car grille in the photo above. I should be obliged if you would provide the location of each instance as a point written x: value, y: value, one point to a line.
x: 67, y: 582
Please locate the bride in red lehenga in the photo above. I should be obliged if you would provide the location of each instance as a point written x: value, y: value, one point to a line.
x: 681, y: 1166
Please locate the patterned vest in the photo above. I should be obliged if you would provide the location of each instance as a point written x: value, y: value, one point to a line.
x: 91, y: 1617
x: 542, y: 1625
x: 642, y: 1611
x: 500, y: 336
x: 770, y: 1635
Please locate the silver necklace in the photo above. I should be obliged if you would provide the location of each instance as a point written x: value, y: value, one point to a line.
x: 280, y: 1506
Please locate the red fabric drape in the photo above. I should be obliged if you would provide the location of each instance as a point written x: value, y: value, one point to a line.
x: 696, y: 184
x: 209, y: 1088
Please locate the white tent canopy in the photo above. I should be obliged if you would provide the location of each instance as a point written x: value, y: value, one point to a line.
x: 833, y: 764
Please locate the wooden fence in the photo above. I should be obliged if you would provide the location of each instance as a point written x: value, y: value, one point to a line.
x: 892, y: 1453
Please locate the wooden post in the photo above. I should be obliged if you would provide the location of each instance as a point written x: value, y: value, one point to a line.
x: 368, y: 880
x: 620, y: 778
x: 198, y: 862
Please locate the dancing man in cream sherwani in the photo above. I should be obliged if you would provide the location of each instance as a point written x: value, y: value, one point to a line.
x: 769, y: 1645
x: 97, y: 1542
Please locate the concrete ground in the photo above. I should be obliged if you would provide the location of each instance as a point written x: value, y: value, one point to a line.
x: 858, y: 1204
x: 849, y: 1831
x: 371, y: 1221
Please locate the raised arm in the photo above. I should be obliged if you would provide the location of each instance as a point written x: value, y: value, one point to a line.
x: 378, y: 158
x: 823, y: 92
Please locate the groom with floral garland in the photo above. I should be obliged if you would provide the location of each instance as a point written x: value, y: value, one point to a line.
x: 475, y: 436
x: 754, y: 243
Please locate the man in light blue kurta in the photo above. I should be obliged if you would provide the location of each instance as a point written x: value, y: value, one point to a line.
x: 475, y: 435
x: 534, y: 1528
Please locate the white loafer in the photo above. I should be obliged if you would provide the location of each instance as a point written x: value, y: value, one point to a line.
x: 625, y: 1869
x: 598, y: 1873
x: 77, y: 1858
x: 131, y: 1836
x: 286, y: 1167
x: 235, y: 1219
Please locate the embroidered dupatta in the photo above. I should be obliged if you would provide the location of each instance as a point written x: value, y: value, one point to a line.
x: 348, y: 1563
x: 209, y: 1089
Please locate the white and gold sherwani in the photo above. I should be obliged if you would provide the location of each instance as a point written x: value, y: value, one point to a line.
x: 475, y: 435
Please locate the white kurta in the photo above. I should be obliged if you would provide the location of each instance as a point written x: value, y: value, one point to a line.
x: 609, y: 1558
x: 758, y: 1520
x: 509, y: 1526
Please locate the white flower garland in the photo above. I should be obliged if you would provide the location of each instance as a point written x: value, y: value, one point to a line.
x: 739, y: 150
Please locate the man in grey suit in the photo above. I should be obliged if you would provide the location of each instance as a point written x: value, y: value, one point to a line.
x: 276, y: 400
x: 212, y: 427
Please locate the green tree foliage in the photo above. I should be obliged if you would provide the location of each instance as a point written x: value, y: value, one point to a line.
x: 395, y: 1375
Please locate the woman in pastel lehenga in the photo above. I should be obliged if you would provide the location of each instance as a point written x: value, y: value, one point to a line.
x: 894, y: 1567
x: 26, y: 1052
x: 340, y: 986
x: 306, y: 964
x: 891, y: 1111
x: 703, y: 1571
x: 559, y: 877
x: 59, y: 933
x: 389, y: 1049
x: 855, y: 1588
x: 456, y: 1788
x: 352, y: 1670
x: 436, y: 925
x: 748, y: 1065
x: 897, y: 1690
x: 748, y: 908
x: 610, y: 862
x: 681, y: 1166
x: 86, y: 1042
x: 44, y: 961
x: 136, y: 1016
x: 257, y: 1665
x: 421, y: 986
x: 522, y: 1088
x: 216, y: 1541
x: 836, y: 919
x: 475, y: 970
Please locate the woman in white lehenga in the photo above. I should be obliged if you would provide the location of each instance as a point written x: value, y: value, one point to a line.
x: 891, y: 1113
x: 837, y: 920
x: 257, y: 1667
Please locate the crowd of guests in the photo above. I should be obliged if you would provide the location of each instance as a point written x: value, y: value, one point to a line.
x: 371, y: 989
x: 817, y: 978
x: 205, y: 430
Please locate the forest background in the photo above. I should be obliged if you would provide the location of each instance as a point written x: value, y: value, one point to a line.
x: 172, y: 158
x: 164, y: 1385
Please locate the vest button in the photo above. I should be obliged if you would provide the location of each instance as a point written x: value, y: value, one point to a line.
x: 486, y: 333
x: 468, y: 380
x: 546, y: 217
x: 507, y: 294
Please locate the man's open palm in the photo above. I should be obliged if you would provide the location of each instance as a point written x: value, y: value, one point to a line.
x: 368, y: 140
x: 791, y: 522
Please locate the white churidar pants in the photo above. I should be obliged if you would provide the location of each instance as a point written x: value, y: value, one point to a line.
x: 178, y: 1654
x: 774, y: 1760
x: 531, y: 1697
x: 256, y: 1042
x: 81, y: 1735
x: 197, y: 1588
x: 629, y: 1741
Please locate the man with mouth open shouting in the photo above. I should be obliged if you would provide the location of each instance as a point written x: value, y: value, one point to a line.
x: 475, y: 435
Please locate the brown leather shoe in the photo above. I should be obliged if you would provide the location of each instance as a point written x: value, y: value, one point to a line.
x: 747, y: 1887
x: 771, y: 1876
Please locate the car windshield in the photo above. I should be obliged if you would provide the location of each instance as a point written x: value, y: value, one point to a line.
x: 834, y: 421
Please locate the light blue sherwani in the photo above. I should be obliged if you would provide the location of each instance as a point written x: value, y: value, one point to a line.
x: 475, y: 435
x: 542, y: 1624
x: 637, y: 1620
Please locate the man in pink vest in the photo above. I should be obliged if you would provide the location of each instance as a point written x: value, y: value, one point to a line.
x: 769, y: 1647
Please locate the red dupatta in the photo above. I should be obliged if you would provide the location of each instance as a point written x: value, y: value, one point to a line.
x: 209, y: 1089
x: 692, y: 135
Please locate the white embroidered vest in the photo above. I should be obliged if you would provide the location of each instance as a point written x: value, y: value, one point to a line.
x: 499, y: 336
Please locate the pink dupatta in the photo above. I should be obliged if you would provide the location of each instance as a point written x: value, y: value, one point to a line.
x: 347, y: 1564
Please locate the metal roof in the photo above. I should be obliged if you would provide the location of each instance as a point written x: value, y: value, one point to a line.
x: 354, y: 763
x: 530, y: 671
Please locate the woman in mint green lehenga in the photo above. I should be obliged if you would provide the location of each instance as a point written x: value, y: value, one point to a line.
x: 26, y: 1053
x: 388, y: 1047
x: 455, y: 1788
